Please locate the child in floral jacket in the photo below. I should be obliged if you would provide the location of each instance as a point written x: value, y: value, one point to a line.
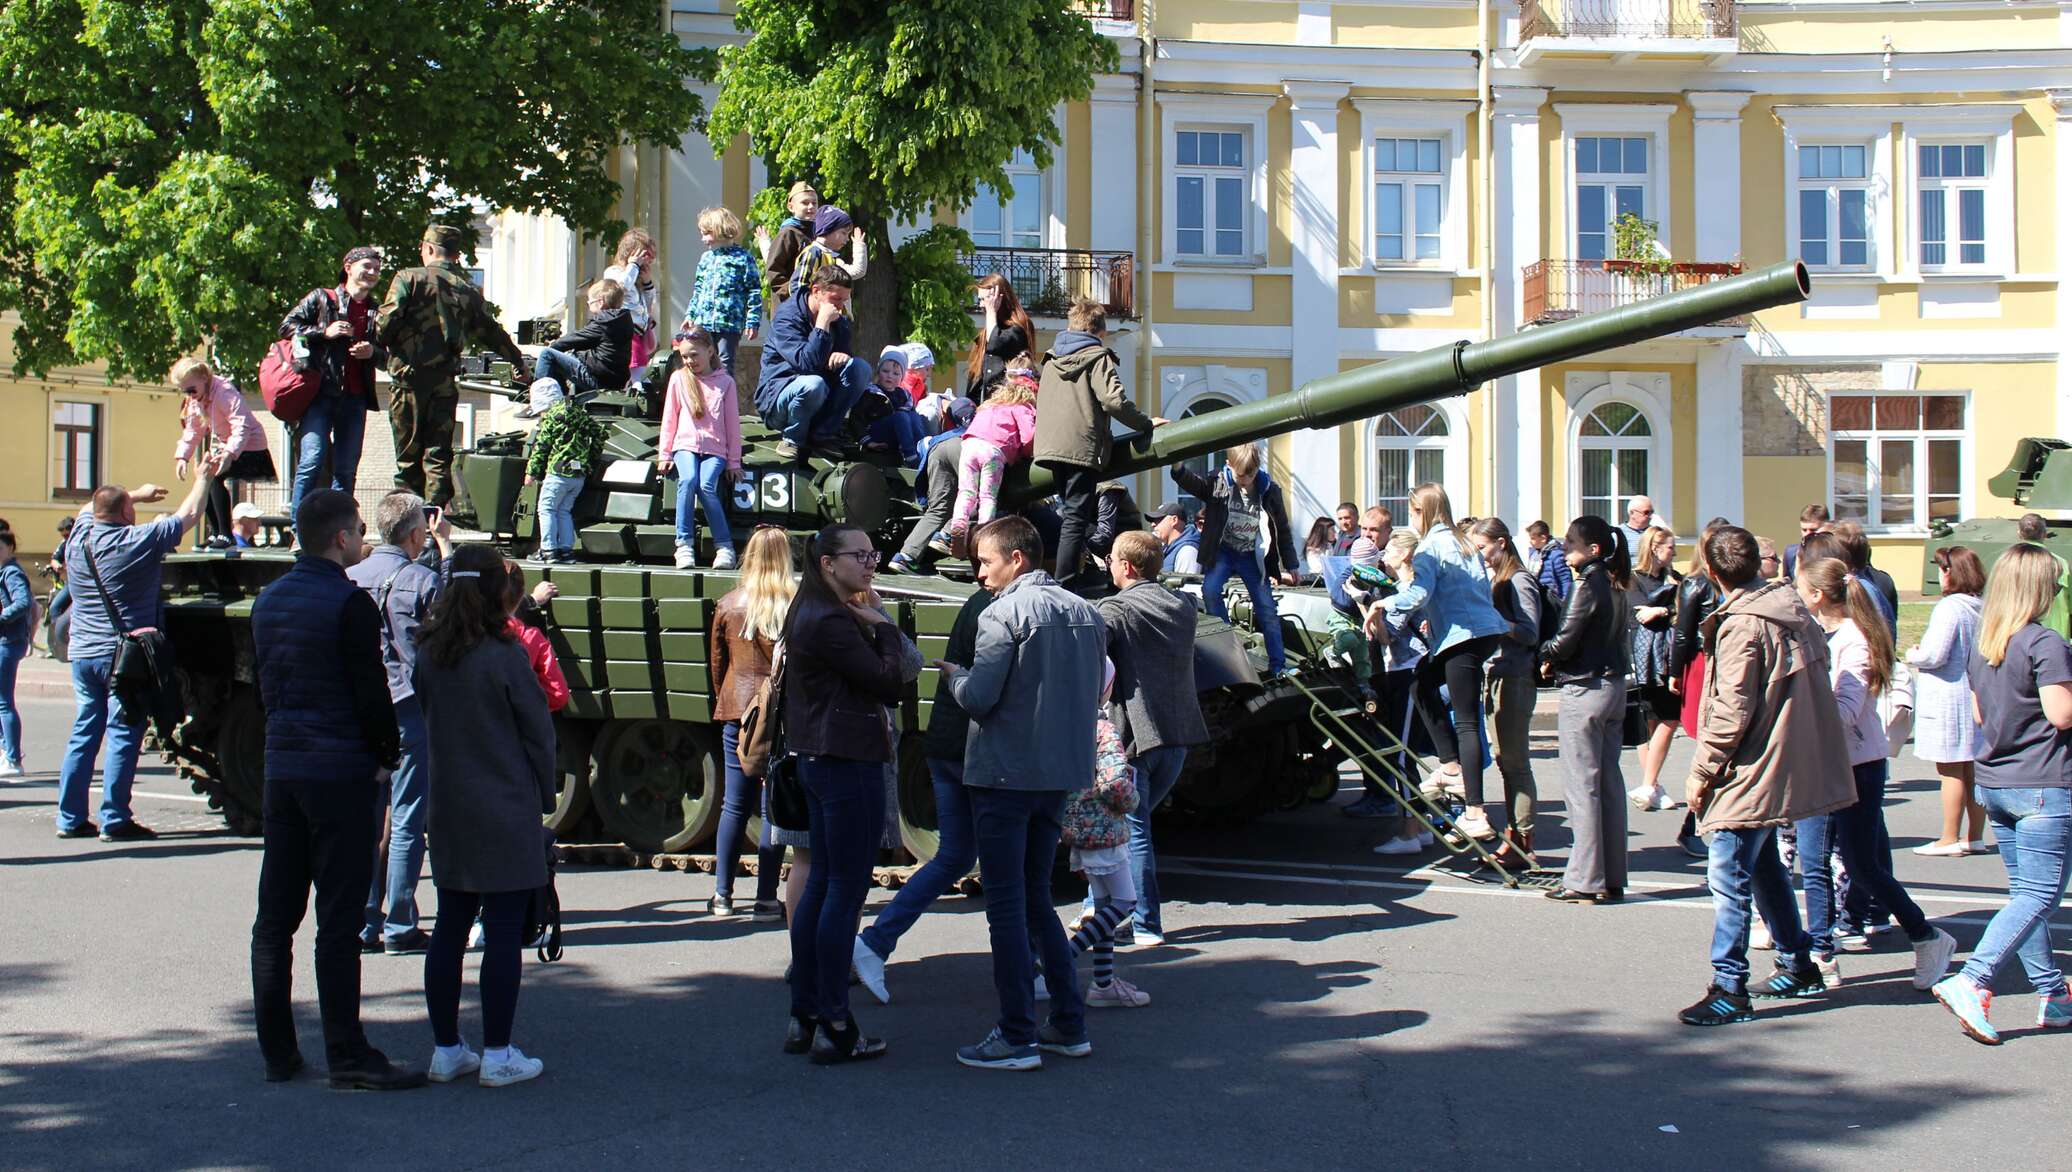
x: 1096, y: 829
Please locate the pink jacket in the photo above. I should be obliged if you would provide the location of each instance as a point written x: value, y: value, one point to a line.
x: 1011, y: 427
x: 718, y: 433
x: 227, y: 418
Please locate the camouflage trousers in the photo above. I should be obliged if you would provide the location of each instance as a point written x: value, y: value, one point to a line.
x: 421, y: 418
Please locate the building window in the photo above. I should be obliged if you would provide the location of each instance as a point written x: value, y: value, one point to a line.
x: 1611, y: 180
x: 1410, y: 449
x: 1212, y: 463
x: 76, y: 450
x: 1898, y: 459
x: 1613, y: 450
x: 1016, y: 221
x: 1409, y: 198
x: 1834, y: 194
x: 1209, y: 192
x: 1953, y: 181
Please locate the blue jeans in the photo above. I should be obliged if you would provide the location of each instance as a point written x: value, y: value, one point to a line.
x: 334, y: 426
x: 1017, y: 834
x: 703, y: 478
x: 806, y: 408
x: 742, y: 798
x: 2034, y: 829
x: 90, y: 691
x: 1158, y: 771
x: 955, y: 852
x: 12, y: 652
x: 406, y: 844
x: 558, y: 511
x: 728, y: 344
x: 845, y: 801
x: 1854, y: 831
x: 1264, y: 612
x: 564, y: 368
x: 1744, y: 869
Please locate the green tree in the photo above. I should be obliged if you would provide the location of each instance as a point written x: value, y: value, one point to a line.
x: 897, y: 107
x: 181, y: 171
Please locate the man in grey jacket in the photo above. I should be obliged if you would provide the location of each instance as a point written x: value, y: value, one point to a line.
x: 1032, y: 690
x: 1150, y: 637
x: 402, y: 588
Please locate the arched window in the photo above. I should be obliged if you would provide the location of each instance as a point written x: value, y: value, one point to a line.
x: 1214, y: 461
x: 1411, y: 444
x: 1614, y: 448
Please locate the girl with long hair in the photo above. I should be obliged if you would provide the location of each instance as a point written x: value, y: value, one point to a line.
x: 1587, y: 658
x: 1859, y: 669
x: 1653, y: 598
x: 1006, y: 335
x: 1317, y: 546
x: 1002, y: 434
x: 2021, y: 686
x: 742, y: 644
x: 701, y: 440
x: 1512, y: 690
x: 1945, y: 731
x: 491, y: 751
x: 633, y: 267
x: 1452, y: 588
x: 1697, y: 597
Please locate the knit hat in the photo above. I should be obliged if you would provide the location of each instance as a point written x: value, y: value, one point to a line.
x: 828, y: 219
x: 545, y: 392
x: 919, y: 357
x: 897, y: 354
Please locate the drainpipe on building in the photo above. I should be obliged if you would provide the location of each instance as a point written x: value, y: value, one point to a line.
x: 1147, y: 179
x: 1485, y: 98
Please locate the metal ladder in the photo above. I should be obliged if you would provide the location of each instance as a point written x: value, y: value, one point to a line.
x: 1370, y: 745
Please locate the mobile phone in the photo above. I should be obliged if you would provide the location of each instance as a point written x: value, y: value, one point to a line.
x: 431, y: 516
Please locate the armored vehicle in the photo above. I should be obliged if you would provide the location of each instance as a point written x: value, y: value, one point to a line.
x: 640, y: 754
x: 2039, y: 477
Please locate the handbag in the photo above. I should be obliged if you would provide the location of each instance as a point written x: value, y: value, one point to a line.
x: 289, y: 377
x: 543, y: 912
x: 787, y: 795
x: 1633, y: 725
x: 757, y: 740
x: 143, y: 676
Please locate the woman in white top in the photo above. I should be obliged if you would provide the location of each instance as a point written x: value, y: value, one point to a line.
x: 632, y: 266
x: 1945, y: 731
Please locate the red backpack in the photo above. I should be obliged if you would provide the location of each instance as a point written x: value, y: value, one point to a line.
x: 288, y: 377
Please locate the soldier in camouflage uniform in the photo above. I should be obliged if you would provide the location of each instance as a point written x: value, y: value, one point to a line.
x: 429, y: 315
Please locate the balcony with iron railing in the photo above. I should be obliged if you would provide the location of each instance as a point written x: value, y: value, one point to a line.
x: 1622, y: 30
x: 1555, y: 290
x: 1048, y: 279
x: 1122, y: 10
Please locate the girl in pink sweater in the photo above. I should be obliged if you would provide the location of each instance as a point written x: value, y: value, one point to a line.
x: 701, y: 439
x: 214, y: 416
x: 1000, y: 435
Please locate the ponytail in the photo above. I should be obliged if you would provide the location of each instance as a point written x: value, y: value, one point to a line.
x: 1591, y: 529
x: 1838, y: 586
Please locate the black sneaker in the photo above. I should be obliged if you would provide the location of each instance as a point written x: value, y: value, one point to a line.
x: 798, y: 1035
x: 283, y: 1071
x: 1718, y: 1007
x: 1052, y: 1040
x: 411, y: 943
x: 1788, y: 982
x: 128, y: 832
x: 997, y: 1053
x: 83, y: 830
x: 720, y: 907
x: 767, y: 911
x: 370, y: 944
x: 373, y: 1071
x: 848, y: 1044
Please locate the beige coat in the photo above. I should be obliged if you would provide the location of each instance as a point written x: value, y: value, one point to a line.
x: 1771, y: 748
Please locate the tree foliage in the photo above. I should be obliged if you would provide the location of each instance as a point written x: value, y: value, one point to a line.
x: 935, y: 289
x: 894, y: 107
x: 182, y: 170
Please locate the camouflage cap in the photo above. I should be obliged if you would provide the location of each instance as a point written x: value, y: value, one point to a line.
x: 446, y: 236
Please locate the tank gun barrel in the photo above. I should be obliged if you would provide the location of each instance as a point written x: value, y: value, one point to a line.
x: 1438, y: 373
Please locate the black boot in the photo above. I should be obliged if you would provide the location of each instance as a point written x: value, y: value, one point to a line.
x: 847, y: 1044
x: 798, y: 1036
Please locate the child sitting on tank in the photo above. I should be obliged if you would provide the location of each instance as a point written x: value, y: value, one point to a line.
x: 565, y: 446
x: 1000, y: 436
x: 900, y: 429
x: 701, y: 439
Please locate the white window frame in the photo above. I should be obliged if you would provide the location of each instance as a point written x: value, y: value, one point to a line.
x: 1243, y: 113
x: 1845, y: 126
x: 1051, y: 184
x: 1446, y: 121
x: 98, y: 471
x: 1994, y: 125
x: 1648, y: 121
x: 1183, y: 387
x: 1647, y: 393
x: 1873, y: 436
x: 1453, y: 449
x: 1831, y: 189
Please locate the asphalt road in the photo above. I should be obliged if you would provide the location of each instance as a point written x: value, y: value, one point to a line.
x: 1314, y: 1006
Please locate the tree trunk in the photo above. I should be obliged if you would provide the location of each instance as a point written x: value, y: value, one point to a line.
x: 876, y: 300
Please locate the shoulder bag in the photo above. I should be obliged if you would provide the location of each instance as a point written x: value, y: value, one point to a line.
x: 760, y: 747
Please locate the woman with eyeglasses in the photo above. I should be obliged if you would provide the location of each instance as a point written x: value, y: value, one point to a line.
x: 1944, y: 730
x: 845, y: 662
x: 214, y: 415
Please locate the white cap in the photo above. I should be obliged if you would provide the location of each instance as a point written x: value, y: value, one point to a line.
x: 545, y: 393
x: 245, y: 510
x: 919, y: 356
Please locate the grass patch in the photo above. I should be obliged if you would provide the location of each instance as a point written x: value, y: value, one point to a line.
x: 1913, y: 620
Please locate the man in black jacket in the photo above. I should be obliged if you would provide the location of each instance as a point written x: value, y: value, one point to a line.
x: 1115, y: 513
x: 329, y: 728
x: 595, y: 357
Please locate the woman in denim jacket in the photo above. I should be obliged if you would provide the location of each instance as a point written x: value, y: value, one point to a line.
x: 1452, y: 587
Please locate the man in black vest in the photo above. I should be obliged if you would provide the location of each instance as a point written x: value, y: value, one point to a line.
x: 329, y: 728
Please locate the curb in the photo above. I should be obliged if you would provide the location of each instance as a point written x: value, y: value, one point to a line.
x: 44, y: 678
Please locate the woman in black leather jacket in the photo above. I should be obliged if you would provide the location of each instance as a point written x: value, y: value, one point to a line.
x: 1587, y: 658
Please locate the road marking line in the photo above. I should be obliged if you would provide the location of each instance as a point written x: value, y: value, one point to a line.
x: 172, y: 797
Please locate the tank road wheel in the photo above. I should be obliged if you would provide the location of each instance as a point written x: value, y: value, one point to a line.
x: 572, y: 744
x: 657, y: 783
x: 916, y: 791
x: 240, y: 788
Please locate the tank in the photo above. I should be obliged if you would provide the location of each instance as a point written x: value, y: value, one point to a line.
x: 639, y: 751
x: 2039, y: 477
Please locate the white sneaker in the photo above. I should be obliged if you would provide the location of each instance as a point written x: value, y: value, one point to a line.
x: 1932, y: 959
x: 445, y: 1069
x: 1943, y: 850
x: 723, y: 558
x: 514, y: 1068
x: 1426, y: 839
x: 1980, y: 845
x: 1759, y: 935
x: 1400, y: 846
x: 1647, y: 798
x: 1117, y: 994
x: 475, y: 935
x: 1475, y: 824
x: 1142, y: 937
x: 1442, y: 783
x: 1830, y: 970
x: 10, y: 769
x: 870, y: 969
x: 1663, y: 801
x: 686, y: 557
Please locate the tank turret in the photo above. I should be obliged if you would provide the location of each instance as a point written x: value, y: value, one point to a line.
x: 2038, y: 477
